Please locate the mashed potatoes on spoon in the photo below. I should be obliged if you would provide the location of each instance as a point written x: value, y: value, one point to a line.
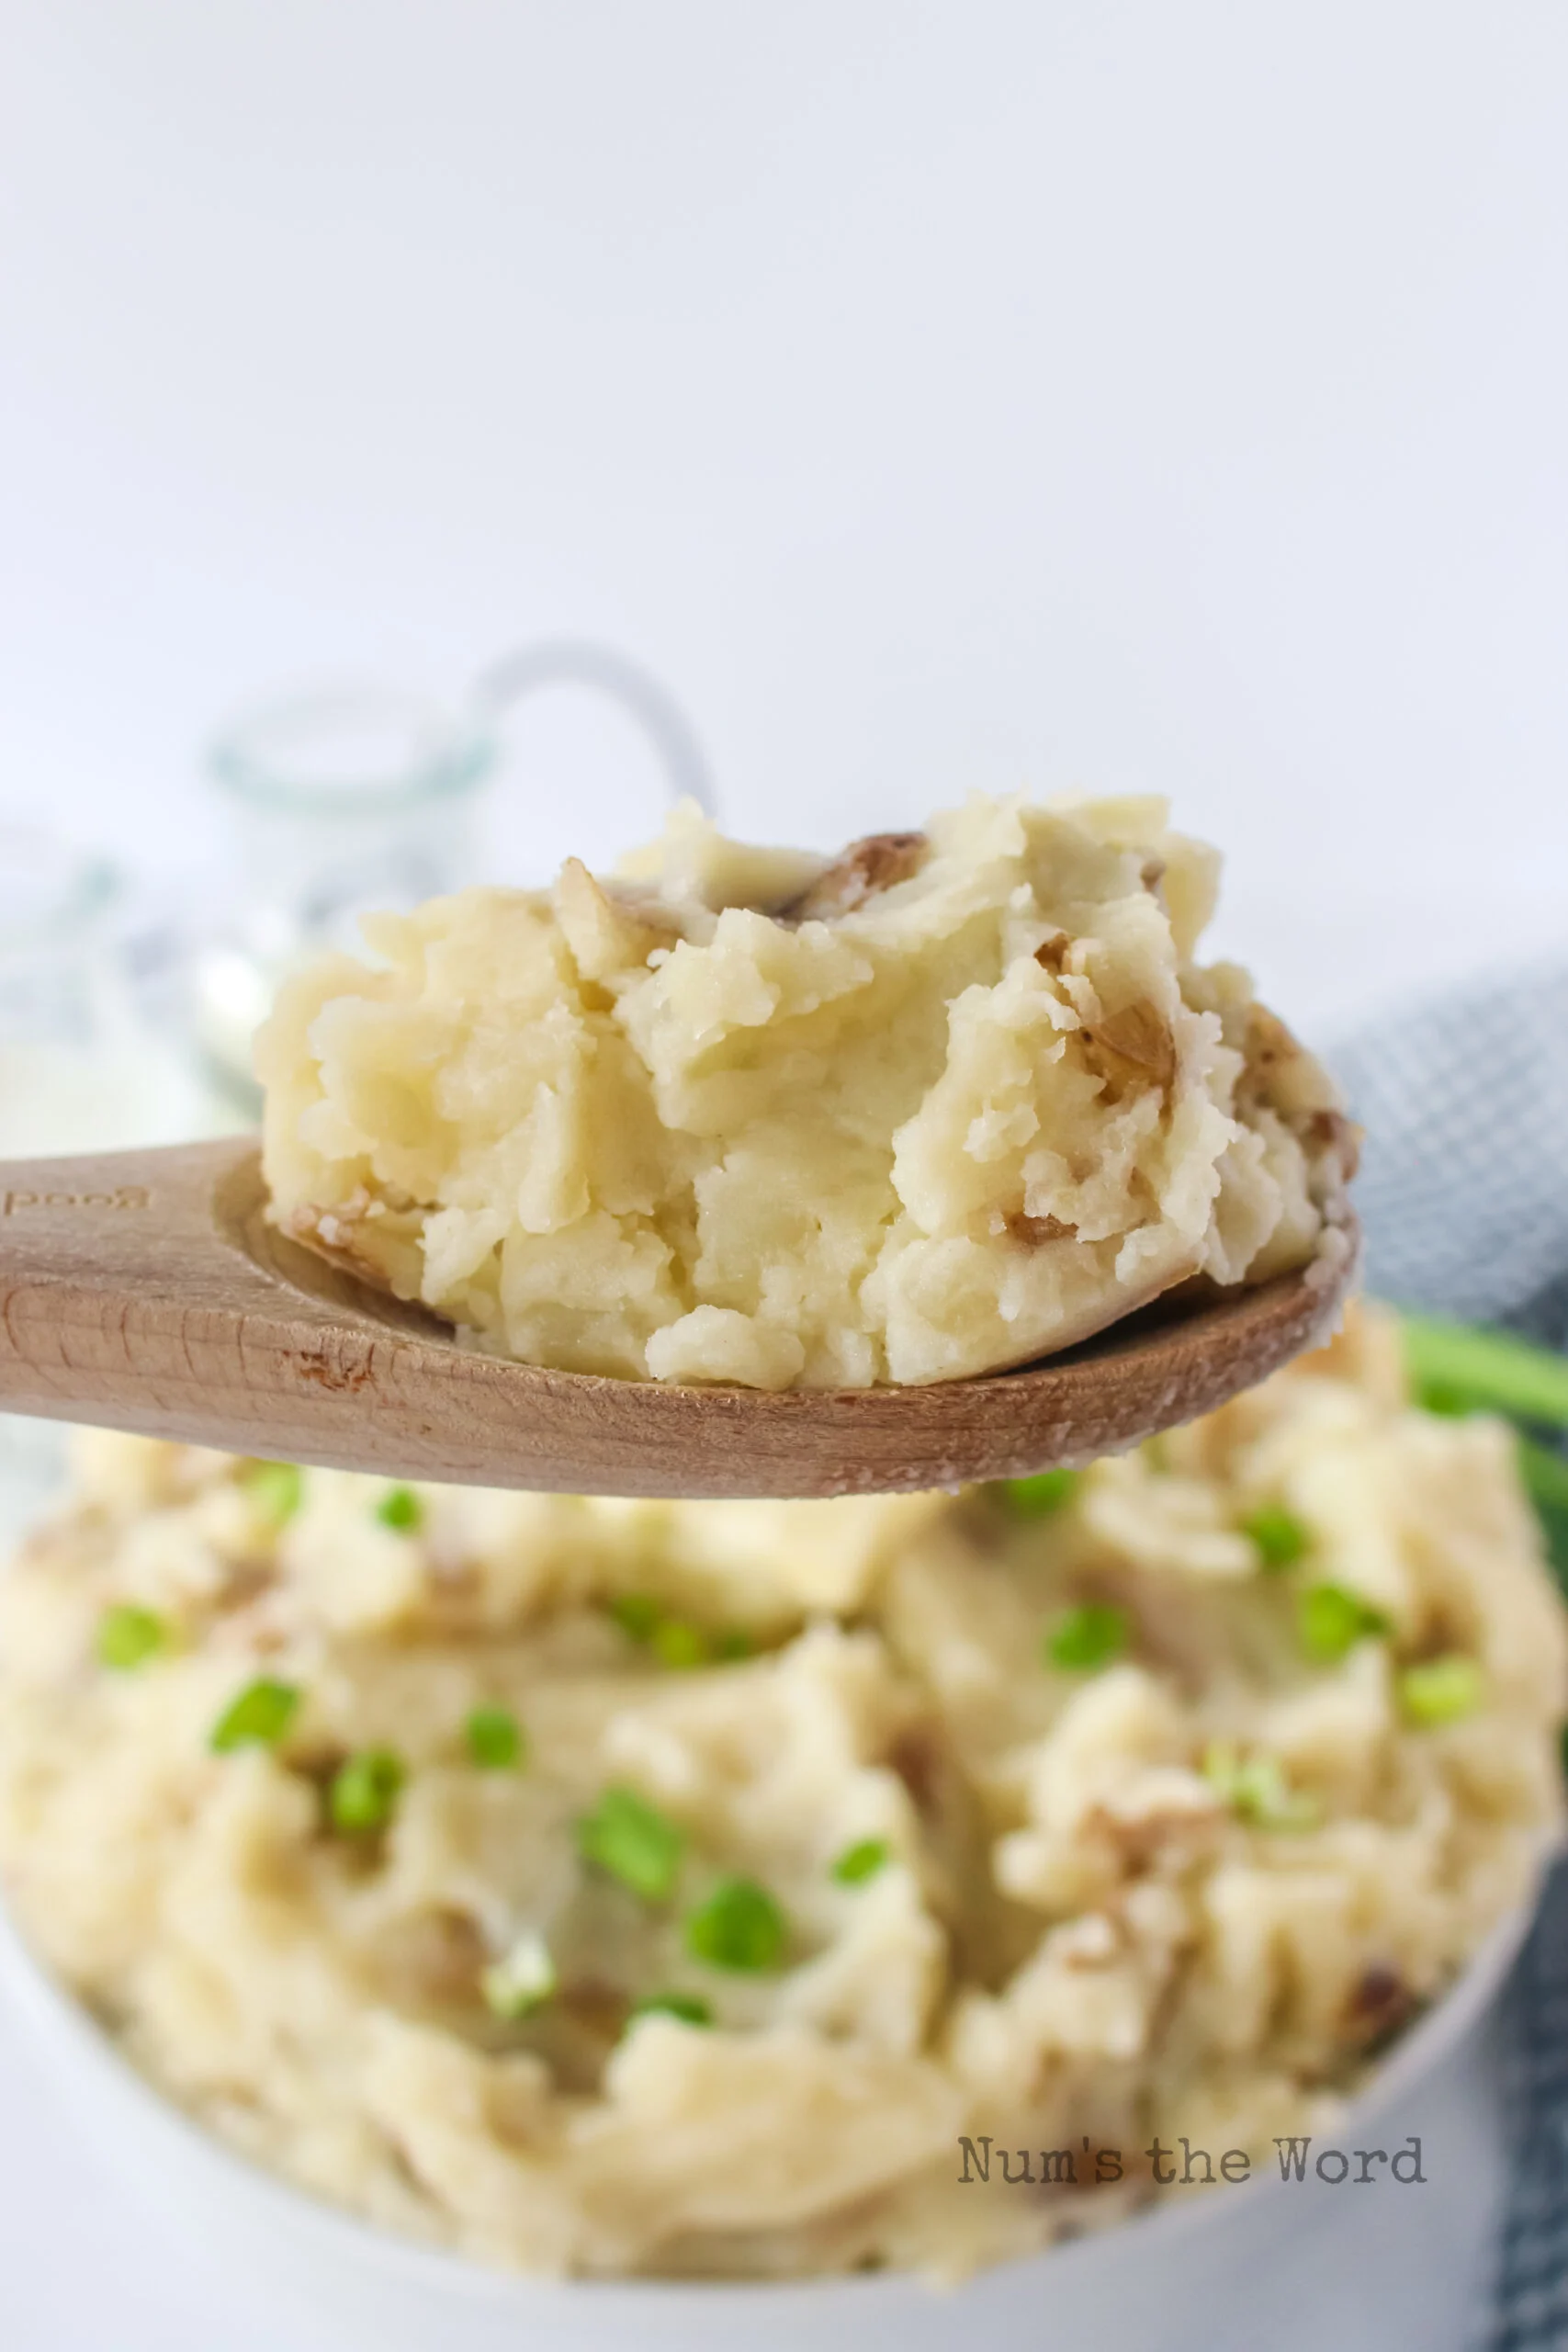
x: 955, y: 1100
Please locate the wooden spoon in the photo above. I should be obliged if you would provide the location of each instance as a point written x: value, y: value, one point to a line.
x: 145, y: 1290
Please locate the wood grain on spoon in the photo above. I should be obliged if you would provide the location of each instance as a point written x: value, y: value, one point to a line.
x: 145, y: 1290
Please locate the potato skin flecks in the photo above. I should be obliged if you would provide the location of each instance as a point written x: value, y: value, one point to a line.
x: 743, y: 1116
x: 874, y: 863
x: 1135, y: 1042
x: 1193, y: 1888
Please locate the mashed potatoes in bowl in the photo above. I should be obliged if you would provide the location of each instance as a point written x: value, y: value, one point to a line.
x: 953, y: 1101
x: 651, y: 1889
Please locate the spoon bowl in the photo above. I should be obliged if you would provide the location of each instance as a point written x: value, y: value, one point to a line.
x: 146, y: 1291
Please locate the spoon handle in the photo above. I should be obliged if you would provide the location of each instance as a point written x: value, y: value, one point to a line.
x: 128, y: 1296
x: 145, y: 1290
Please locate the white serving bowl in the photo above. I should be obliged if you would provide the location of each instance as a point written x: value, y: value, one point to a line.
x: 1299, y: 2266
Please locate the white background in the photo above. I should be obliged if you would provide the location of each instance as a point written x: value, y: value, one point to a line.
x: 993, y: 392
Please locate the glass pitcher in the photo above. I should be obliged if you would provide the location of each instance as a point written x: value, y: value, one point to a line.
x: 337, y: 800
x: 349, y: 798
x: 83, y: 1064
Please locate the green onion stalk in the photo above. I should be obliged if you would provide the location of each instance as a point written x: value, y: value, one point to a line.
x: 1457, y: 1368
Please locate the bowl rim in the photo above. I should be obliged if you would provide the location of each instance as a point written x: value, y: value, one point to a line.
x: 31, y: 1989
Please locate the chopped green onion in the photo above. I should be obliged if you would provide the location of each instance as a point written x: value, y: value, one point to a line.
x: 1256, y: 1789
x: 1266, y: 1798
x: 675, y: 1643
x: 861, y: 1861
x: 277, y: 1488
x: 633, y: 1842
x: 740, y: 1926
x: 129, y: 1636
x: 1277, y: 1535
x: 258, y: 1717
x: 1457, y: 1370
x: 401, y: 1508
x: 1545, y: 1474
x: 1087, y: 1637
x: 521, y: 1981
x: 1330, y: 1622
x: 364, y: 1791
x: 495, y: 1740
x: 1036, y: 1498
x: 689, y: 2008
x: 637, y: 1615
x: 1439, y: 1691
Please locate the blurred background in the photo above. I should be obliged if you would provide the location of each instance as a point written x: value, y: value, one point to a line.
x: 931, y: 396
